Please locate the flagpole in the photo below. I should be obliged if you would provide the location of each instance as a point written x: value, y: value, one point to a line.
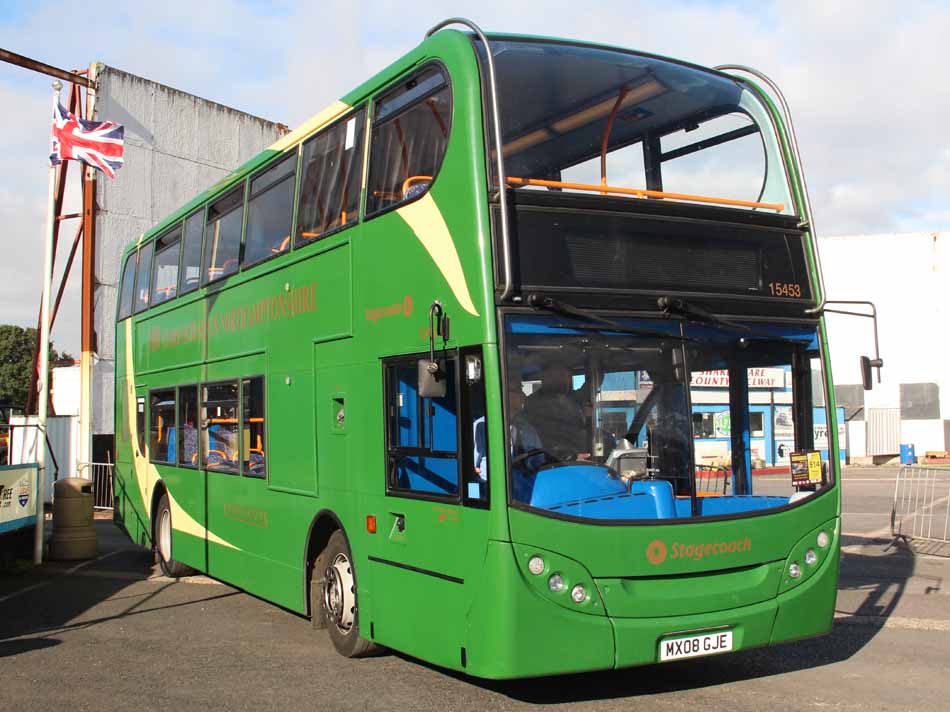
x: 43, y: 406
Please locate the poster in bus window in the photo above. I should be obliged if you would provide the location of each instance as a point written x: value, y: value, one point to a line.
x: 805, y: 468
x: 784, y: 426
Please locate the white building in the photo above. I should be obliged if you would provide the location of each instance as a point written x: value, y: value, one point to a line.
x: 906, y: 277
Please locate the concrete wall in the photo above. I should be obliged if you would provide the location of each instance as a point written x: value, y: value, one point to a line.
x: 906, y: 276
x: 176, y: 145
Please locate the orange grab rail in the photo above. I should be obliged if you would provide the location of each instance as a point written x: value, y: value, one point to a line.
x: 406, y: 184
x: 640, y: 193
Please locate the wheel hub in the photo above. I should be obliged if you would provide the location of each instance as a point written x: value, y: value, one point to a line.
x: 339, y: 598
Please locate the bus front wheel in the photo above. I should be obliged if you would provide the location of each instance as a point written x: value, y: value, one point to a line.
x: 337, y: 602
x: 163, y: 541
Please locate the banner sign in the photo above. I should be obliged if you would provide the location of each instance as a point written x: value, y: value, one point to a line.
x: 17, y: 497
x: 758, y: 378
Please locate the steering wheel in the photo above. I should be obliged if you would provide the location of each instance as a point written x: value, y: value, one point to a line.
x: 552, y: 457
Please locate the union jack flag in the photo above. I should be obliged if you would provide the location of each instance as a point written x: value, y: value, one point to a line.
x: 96, y: 143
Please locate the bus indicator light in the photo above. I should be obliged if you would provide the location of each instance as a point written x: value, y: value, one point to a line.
x: 371, y: 523
x: 822, y: 539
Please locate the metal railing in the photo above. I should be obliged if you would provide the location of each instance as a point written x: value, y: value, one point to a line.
x: 712, y: 480
x: 921, y: 510
x: 101, y: 475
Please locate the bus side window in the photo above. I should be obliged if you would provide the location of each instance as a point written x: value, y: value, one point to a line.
x: 220, y: 426
x: 225, y: 218
x: 409, y: 139
x: 128, y: 286
x: 474, y: 431
x: 143, y: 277
x: 188, y: 426
x: 162, y: 430
x: 253, y: 446
x: 331, y: 177
x: 140, y: 424
x: 191, y: 253
x: 270, y: 211
x: 423, y: 433
x: 165, y: 271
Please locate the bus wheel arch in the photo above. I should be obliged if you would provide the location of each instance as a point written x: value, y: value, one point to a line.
x: 328, y: 550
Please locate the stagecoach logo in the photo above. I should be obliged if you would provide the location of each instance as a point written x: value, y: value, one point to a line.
x: 657, y: 550
x: 24, y: 495
x: 404, y: 308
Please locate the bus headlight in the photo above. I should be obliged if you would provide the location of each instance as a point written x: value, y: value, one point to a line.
x: 556, y: 583
x: 536, y: 565
x: 579, y: 594
x: 794, y: 570
x: 811, y: 558
x: 822, y: 539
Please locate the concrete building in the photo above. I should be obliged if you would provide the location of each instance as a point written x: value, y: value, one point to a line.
x: 906, y: 276
x: 176, y: 145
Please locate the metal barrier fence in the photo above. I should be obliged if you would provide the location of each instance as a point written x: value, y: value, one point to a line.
x: 101, y: 475
x: 921, y: 508
x: 712, y: 480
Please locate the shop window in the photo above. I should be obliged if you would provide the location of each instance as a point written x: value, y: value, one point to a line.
x: 409, y: 139
x: 253, y: 452
x: 165, y: 276
x: 162, y: 431
x: 220, y: 426
x: 330, y: 186
x: 270, y: 212
x: 191, y: 253
x: 225, y: 222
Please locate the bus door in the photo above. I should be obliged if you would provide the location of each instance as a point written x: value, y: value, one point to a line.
x: 427, y: 556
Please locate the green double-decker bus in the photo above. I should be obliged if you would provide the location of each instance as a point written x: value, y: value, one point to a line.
x: 513, y: 359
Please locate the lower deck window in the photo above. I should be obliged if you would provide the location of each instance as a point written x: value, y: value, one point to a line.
x: 220, y: 427
x: 162, y: 431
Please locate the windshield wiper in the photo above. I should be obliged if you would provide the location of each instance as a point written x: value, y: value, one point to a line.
x: 672, y: 307
x: 599, y: 323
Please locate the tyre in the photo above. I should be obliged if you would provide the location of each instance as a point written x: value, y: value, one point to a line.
x: 335, y: 601
x: 163, y: 541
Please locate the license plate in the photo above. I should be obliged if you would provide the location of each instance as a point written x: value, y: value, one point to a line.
x: 695, y: 645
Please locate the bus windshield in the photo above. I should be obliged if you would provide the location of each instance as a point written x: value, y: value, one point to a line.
x: 608, y: 122
x: 658, y: 419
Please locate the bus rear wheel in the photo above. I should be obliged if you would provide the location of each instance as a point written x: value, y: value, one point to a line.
x: 336, y: 600
x: 163, y: 541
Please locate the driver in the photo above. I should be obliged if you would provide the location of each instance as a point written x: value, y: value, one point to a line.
x: 556, y: 416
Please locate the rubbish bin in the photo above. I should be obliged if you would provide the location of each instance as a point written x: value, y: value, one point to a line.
x: 907, y: 455
x: 74, y: 533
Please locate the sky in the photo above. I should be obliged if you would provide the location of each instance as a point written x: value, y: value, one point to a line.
x: 866, y: 81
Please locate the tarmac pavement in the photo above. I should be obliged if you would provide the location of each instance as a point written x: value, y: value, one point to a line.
x: 115, y: 634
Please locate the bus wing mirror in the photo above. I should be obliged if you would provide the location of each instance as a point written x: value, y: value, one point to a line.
x: 866, y: 365
x: 432, y: 380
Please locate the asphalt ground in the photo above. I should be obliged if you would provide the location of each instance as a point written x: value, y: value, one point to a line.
x: 114, y: 634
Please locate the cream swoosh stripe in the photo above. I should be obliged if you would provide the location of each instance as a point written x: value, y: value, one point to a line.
x: 146, y: 474
x: 425, y: 219
x: 315, y: 123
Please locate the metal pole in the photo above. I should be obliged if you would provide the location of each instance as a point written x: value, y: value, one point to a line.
x: 43, y: 405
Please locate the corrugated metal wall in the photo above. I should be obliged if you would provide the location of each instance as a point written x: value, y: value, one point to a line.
x: 884, y: 431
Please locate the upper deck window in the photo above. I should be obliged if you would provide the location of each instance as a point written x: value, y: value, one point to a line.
x: 191, y: 253
x: 409, y: 139
x: 607, y: 122
x: 142, y: 277
x: 225, y: 222
x: 270, y: 211
x: 165, y: 278
x: 128, y: 286
x: 332, y: 172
